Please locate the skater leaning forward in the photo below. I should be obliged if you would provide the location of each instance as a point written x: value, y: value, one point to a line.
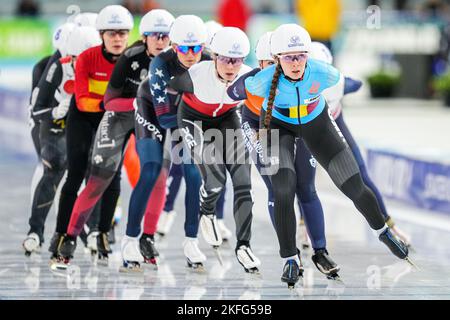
x: 293, y: 105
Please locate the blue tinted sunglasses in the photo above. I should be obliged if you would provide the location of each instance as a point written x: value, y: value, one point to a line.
x: 185, y: 49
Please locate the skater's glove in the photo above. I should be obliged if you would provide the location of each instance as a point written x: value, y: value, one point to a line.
x: 61, y: 110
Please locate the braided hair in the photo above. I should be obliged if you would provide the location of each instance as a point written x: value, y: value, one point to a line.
x: 272, y: 92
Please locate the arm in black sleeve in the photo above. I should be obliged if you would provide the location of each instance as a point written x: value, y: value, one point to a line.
x: 237, y: 90
x: 182, y: 83
x: 46, y: 88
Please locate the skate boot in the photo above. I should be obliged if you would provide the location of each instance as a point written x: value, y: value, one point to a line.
x: 194, y: 256
x: 131, y: 255
x: 56, y: 261
x: 32, y: 243
x: 399, y: 233
x: 292, y: 272
x: 210, y: 230
x: 165, y: 222
x: 103, y: 248
x: 91, y: 241
x: 67, y: 249
x: 302, y: 235
x: 397, y: 247
x: 325, y: 264
x: 148, y: 250
x: 224, y: 231
x: 247, y: 259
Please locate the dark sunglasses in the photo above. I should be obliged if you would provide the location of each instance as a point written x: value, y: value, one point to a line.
x: 290, y: 58
x: 227, y: 60
x: 185, y: 49
x: 157, y: 35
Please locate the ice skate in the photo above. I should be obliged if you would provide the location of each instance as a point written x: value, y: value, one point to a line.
x: 66, y: 251
x: 401, y: 235
x: 292, y: 272
x: 224, y: 231
x: 91, y: 243
x: 103, y: 248
x: 148, y: 250
x: 397, y: 247
x: 210, y: 230
x: 247, y: 259
x: 194, y: 256
x: 165, y: 222
x: 326, y: 265
x: 31, y: 244
x: 131, y: 255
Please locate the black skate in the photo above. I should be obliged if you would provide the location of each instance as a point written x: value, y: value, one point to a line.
x: 66, y: 250
x: 56, y: 261
x: 292, y: 272
x: 397, y: 247
x: 103, y: 248
x: 325, y: 264
x: 148, y: 249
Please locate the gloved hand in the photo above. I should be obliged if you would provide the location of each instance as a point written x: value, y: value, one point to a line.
x: 61, y: 110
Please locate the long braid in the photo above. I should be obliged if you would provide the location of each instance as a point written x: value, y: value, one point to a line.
x: 273, y: 89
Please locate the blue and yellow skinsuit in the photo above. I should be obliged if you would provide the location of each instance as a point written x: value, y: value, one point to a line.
x: 299, y: 110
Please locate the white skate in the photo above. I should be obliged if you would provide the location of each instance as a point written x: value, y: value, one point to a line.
x: 165, y: 222
x: 31, y: 244
x: 247, y: 259
x: 194, y: 256
x: 224, y: 231
x: 210, y: 230
x: 131, y: 255
x: 92, y: 243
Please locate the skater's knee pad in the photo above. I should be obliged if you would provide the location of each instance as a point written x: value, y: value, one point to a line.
x: 342, y: 167
x: 354, y: 187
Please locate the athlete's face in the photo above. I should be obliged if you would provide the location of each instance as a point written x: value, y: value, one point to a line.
x: 293, y: 64
x: 156, y: 42
x: 115, y: 41
x: 227, y: 67
x: 265, y: 63
x: 188, y: 55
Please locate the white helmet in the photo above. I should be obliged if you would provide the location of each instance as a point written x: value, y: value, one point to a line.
x: 86, y: 19
x: 320, y: 52
x: 156, y: 20
x: 212, y: 27
x: 60, y: 37
x: 230, y: 42
x: 82, y: 38
x: 289, y: 38
x: 114, y: 17
x: 188, y: 30
x: 262, y: 50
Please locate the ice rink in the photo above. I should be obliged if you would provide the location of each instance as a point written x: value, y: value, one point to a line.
x: 368, y: 270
